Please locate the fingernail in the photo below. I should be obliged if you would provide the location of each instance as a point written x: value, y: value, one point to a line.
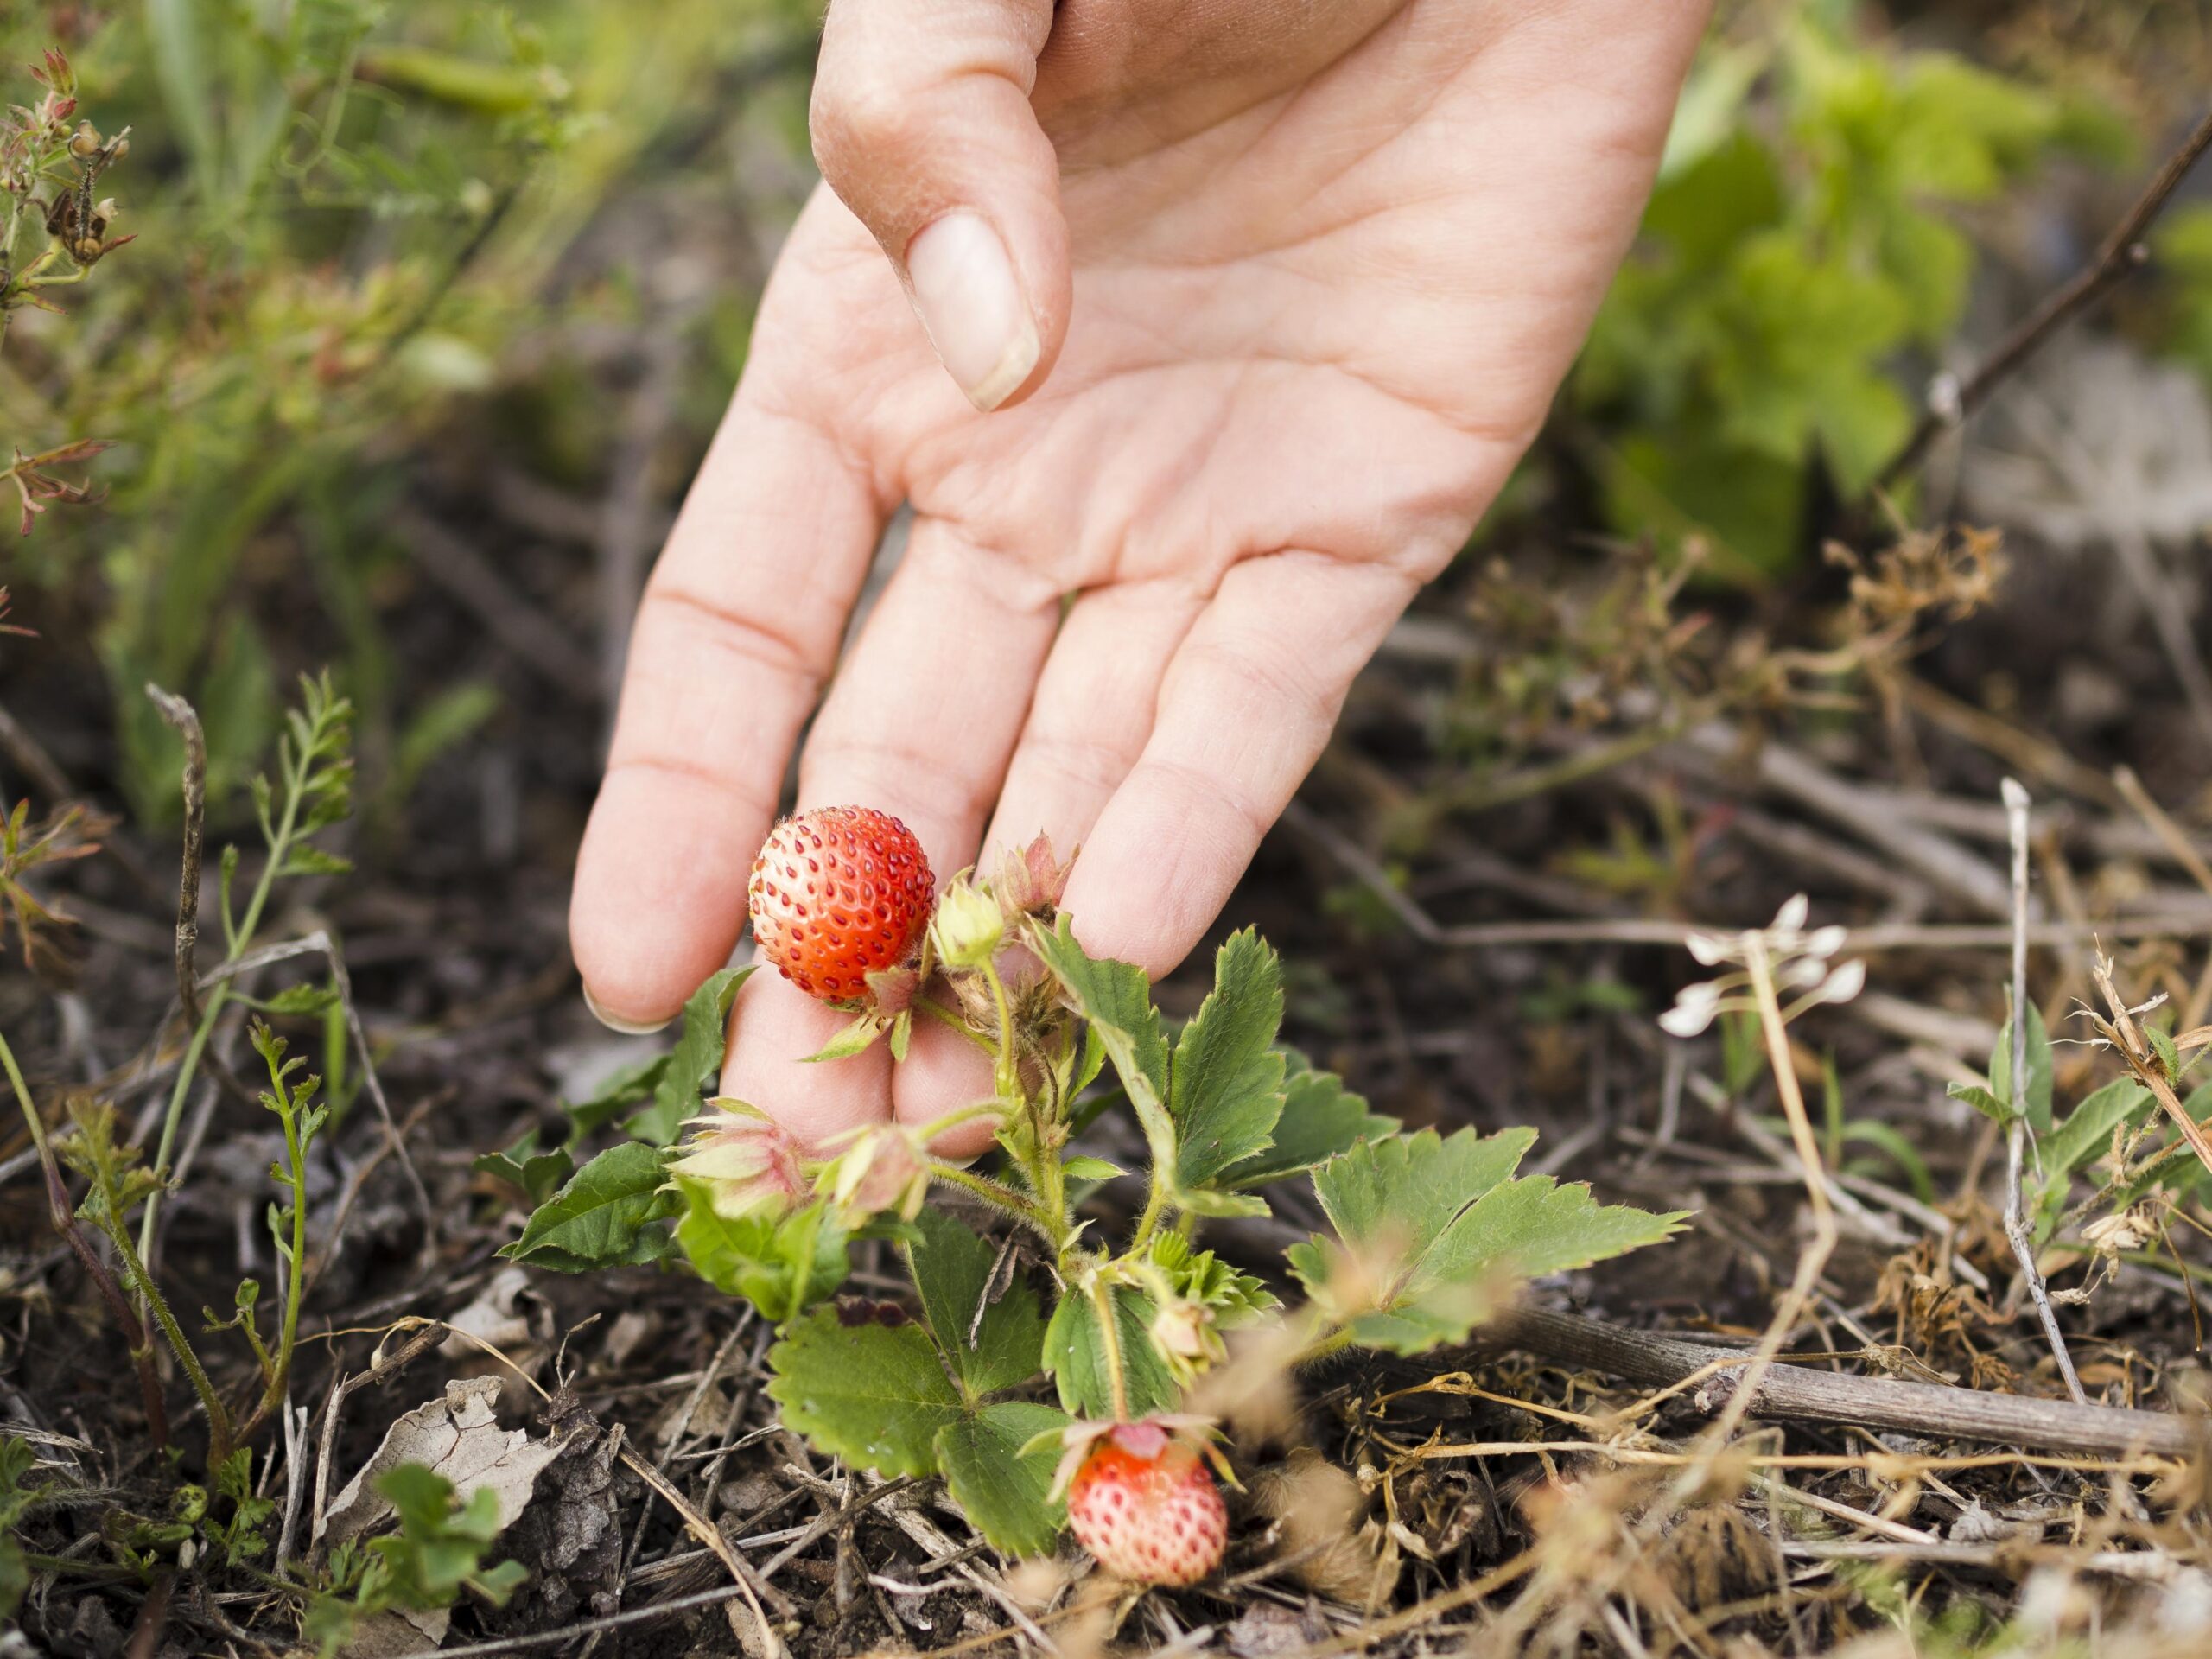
x: 627, y: 1027
x: 968, y: 301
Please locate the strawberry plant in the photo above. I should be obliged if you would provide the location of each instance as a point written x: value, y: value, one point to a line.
x: 1056, y: 1337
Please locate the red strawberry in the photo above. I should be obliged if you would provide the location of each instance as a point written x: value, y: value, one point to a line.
x: 1144, y: 1502
x: 838, y: 893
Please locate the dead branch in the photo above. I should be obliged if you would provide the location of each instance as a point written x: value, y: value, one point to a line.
x: 1930, y: 1410
x: 1951, y: 400
x: 181, y: 715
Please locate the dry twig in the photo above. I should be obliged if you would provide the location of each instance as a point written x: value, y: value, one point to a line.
x: 2016, y: 1126
x: 1951, y: 400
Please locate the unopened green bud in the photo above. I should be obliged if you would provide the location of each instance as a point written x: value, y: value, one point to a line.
x: 967, y: 926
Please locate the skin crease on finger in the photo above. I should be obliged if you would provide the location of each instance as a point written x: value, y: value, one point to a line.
x: 1318, y: 313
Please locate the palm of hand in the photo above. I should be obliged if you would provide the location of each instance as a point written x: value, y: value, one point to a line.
x: 1308, y: 342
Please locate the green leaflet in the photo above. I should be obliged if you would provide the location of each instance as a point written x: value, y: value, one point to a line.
x: 1116, y: 999
x: 873, y: 1394
x: 1432, y: 1231
x: 952, y: 1272
x: 782, y: 1265
x: 1320, y: 1118
x: 908, y: 1399
x: 1075, y: 1354
x: 1003, y: 1491
x: 601, y: 1215
x: 1226, y: 1085
x: 698, y: 1052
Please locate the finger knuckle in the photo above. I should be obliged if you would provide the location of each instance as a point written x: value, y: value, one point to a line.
x: 860, y: 117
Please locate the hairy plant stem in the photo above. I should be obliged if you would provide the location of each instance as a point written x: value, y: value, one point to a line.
x: 64, y: 1218
x: 1021, y: 1207
x: 1007, y: 1076
x: 1155, y: 1201
x: 1109, y: 1339
x: 947, y: 1018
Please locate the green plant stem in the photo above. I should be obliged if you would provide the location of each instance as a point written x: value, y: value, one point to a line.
x: 954, y: 1119
x: 1025, y: 1210
x: 1321, y: 1347
x: 220, y: 1438
x: 1155, y: 1202
x: 295, y: 1279
x: 1007, y: 1079
x: 946, y: 1016
x: 1109, y: 1339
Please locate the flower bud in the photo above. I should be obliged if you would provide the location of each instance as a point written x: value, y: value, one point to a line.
x: 746, y: 1160
x: 882, y: 1171
x: 1183, y: 1333
x: 967, y: 927
x: 1031, y: 880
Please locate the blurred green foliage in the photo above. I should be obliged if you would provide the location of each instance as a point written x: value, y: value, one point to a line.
x: 348, y: 215
x: 358, y: 234
x: 1802, y: 251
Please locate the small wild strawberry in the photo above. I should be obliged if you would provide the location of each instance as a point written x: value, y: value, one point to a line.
x: 1141, y: 1500
x: 839, y: 894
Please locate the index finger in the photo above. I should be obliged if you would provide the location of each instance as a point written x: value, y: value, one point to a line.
x: 738, y: 630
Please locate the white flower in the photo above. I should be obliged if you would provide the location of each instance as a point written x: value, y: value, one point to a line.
x: 1796, y: 961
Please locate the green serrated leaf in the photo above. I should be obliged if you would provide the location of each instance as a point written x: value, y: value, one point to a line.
x: 1432, y: 1233
x: 1116, y: 999
x: 855, y: 1039
x: 1405, y: 1190
x: 1225, y: 1086
x: 951, y: 1268
x: 2001, y: 1072
x: 600, y: 1216
x: 622, y: 1091
x: 697, y: 1056
x: 875, y: 1394
x: 1533, y: 1226
x: 781, y: 1264
x: 1003, y: 1491
x: 1075, y: 1355
x: 1320, y: 1119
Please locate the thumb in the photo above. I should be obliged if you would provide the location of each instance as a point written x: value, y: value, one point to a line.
x: 922, y: 125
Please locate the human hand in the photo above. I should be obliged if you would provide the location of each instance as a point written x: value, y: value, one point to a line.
x: 1267, y: 313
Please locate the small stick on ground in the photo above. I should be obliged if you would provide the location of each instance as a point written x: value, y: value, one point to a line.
x: 2124, y: 252
x: 1934, y: 1411
x: 181, y: 715
x: 2016, y: 1128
